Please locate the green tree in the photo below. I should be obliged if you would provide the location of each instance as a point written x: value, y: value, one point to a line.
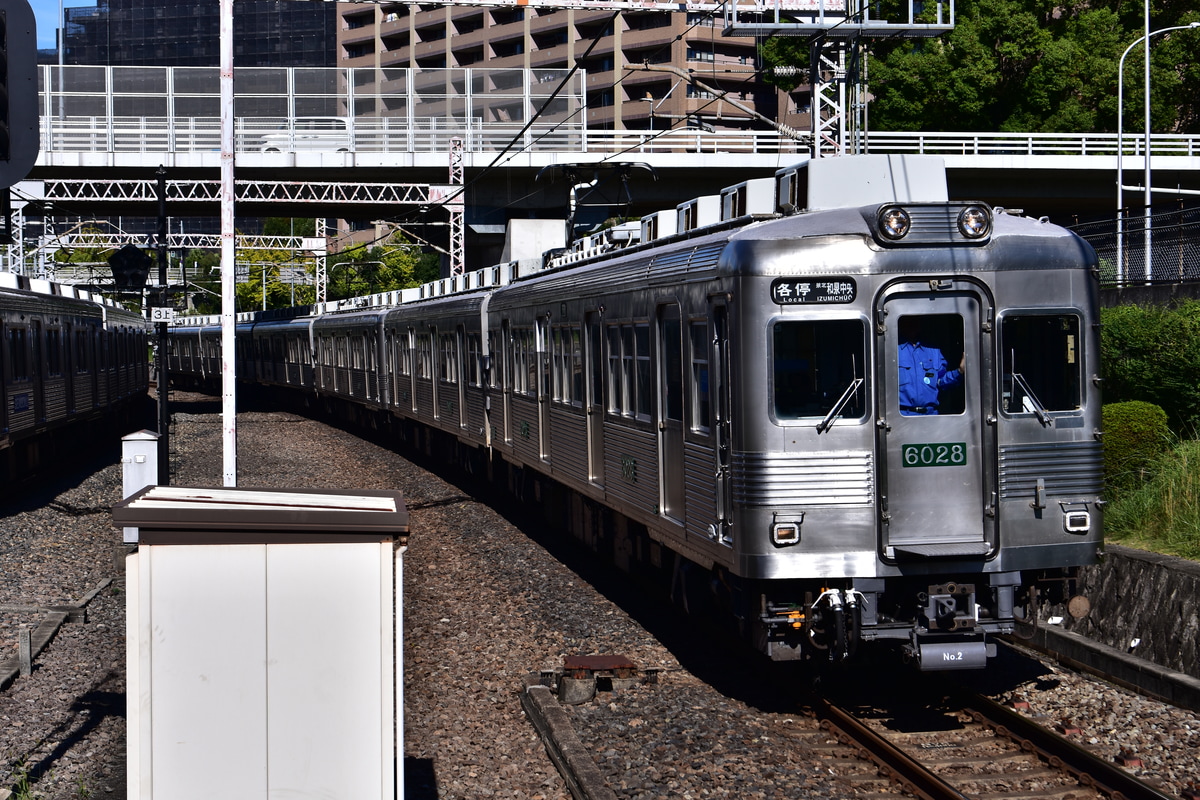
x: 289, y: 226
x: 84, y: 255
x: 359, y: 271
x: 273, y: 272
x: 202, y: 268
x: 1027, y: 65
x: 1152, y: 354
x: 1012, y: 65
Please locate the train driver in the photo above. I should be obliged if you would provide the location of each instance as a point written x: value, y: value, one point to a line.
x: 923, y: 370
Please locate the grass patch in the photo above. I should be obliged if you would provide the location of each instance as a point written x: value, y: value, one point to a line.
x: 1162, y: 513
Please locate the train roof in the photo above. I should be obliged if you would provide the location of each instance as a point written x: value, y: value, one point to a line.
x: 813, y: 198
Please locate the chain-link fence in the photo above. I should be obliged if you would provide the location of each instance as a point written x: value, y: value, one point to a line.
x: 1136, y: 249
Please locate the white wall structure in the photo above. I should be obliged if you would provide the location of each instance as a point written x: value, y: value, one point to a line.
x: 264, y: 644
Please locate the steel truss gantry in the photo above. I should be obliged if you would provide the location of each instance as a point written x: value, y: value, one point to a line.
x: 209, y: 191
x: 312, y: 248
x: 837, y: 59
x: 456, y: 208
x: 58, y: 193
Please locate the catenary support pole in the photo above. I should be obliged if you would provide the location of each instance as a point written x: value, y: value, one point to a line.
x: 228, y: 254
x: 164, y: 414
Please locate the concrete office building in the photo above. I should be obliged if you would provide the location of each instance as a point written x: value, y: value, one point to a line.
x: 131, y: 33
x: 665, y: 50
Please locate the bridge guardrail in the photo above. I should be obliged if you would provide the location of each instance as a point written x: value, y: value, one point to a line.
x: 1031, y: 144
x: 432, y: 134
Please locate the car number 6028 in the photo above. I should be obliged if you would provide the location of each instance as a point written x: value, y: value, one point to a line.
x: 934, y: 454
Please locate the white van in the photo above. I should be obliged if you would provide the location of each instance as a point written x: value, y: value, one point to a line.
x: 331, y: 134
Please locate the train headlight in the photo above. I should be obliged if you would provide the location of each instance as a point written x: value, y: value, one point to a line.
x: 894, y: 222
x: 974, y: 222
x: 784, y: 533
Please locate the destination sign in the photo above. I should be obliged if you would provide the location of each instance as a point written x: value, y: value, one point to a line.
x: 810, y: 291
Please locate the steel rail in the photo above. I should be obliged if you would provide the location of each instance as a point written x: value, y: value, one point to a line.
x: 1088, y: 768
x: 911, y: 774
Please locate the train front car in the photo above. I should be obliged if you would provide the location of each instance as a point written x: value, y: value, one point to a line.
x: 915, y: 454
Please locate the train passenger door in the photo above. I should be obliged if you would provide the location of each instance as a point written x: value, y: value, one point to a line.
x: 544, y: 386
x: 67, y: 344
x: 722, y: 425
x: 936, y: 495
x: 412, y: 369
x: 5, y: 377
x: 670, y: 412
x: 506, y: 380
x: 593, y: 356
x: 465, y: 370
x: 37, y: 371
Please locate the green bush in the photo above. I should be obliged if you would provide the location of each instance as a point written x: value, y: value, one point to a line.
x: 1152, y: 354
x: 1135, y: 435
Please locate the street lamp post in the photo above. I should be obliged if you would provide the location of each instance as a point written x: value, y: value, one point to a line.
x: 1146, y: 146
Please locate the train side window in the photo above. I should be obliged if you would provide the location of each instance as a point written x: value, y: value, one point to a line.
x: 54, y: 352
x: 628, y: 385
x: 567, y: 365
x: 813, y: 364
x: 519, y: 372
x: 339, y: 351
x: 422, y: 367
x: 494, y: 375
x: 448, y: 358
x: 557, y: 369
x: 595, y: 363
x: 532, y: 354
x: 82, y: 366
x: 474, y: 360
x: 18, y: 353
x: 642, y: 336
x: 576, y: 367
x: 701, y: 417
x: 517, y: 378
x: 524, y: 362
x: 615, y: 391
x: 1042, y: 363
x: 404, y: 348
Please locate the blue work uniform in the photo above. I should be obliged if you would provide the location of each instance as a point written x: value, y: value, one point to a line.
x: 923, y: 373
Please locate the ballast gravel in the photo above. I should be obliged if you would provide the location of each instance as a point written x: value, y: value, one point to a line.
x: 486, y: 605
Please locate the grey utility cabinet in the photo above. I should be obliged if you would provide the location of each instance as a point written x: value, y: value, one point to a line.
x: 264, y: 644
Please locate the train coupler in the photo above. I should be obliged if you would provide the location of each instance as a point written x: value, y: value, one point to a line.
x: 950, y: 607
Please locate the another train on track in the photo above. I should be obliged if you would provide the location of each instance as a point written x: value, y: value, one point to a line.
x: 75, y: 370
x: 835, y: 406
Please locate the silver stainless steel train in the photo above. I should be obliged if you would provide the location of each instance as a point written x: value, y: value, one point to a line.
x: 720, y: 392
x: 74, y: 366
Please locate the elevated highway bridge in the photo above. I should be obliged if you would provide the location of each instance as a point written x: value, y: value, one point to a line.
x: 106, y: 132
x: 111, y: 165
x: 1068, y: 177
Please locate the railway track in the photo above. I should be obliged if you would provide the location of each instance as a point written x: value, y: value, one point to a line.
x: 964, y: 746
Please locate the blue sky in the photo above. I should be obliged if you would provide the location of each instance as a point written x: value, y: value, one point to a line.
x: 46, y: 12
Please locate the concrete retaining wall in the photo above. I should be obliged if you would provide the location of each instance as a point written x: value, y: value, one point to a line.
x: 1144, y: 597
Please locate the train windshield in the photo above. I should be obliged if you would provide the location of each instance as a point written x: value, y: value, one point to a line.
x: 1042, y: 363
x: 815, y: 363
